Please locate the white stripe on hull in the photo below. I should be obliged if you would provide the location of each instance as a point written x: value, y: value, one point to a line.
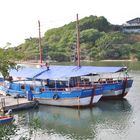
x: 114, y: 92
x: 70, y: 102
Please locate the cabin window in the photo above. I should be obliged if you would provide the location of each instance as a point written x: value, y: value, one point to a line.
x: 31, y: 88
x: 22, y: 87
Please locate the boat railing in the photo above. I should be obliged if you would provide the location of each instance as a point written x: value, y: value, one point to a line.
x: 81, y: 85
x: 112, y: 80
x: 66, y: 89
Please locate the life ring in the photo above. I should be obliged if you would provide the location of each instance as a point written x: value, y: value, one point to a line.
x: 55, y: 96
x: 42, y: 89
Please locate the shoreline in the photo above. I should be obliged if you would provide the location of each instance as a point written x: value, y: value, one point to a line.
x: 128, y: 60
x: 43, y: 63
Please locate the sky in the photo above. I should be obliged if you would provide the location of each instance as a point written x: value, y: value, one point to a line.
x: 19, y: 18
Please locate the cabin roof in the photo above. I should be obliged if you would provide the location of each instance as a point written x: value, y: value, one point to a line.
x: 58, y: 72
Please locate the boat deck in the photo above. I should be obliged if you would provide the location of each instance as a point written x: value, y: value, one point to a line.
x: 9, y: 102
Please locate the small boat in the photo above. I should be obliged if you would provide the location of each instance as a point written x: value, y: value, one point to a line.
x: 6, y: 119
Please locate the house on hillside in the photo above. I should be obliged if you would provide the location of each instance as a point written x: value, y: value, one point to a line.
x: 132, y: 26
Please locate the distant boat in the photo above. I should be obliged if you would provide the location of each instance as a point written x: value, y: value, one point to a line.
x: 6, y: 119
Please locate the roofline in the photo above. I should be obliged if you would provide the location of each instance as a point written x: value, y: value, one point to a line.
x: 133, y: 19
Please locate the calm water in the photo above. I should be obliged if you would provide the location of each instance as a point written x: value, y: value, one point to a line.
x: 109, y: 120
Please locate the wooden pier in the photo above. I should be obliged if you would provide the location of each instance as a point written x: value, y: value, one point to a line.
x: 9, y: 102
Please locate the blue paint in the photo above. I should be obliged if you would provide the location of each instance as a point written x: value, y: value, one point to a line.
x: 5, y: 120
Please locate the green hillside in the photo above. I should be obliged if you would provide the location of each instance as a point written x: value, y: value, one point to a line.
x: 99, y: 40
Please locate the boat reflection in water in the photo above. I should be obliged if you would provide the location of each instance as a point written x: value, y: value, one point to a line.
x: 108, y: 118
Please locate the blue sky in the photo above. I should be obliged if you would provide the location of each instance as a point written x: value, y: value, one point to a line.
x: 19, y: 18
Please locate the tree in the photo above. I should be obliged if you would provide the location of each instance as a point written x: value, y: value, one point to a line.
x: 89, y: 35
x: 106, y: 42
x: 6, y: 61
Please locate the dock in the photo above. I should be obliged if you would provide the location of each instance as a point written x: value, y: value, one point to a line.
x: 9, y: 102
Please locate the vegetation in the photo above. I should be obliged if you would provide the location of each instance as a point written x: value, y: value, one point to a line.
x: 11, y: 130
x: 98, y: 40
x: 7, y: 61
x: 7, y: 130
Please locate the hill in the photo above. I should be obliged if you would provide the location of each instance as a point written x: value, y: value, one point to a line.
x: 99, y: 40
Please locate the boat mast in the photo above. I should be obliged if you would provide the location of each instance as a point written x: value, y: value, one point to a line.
x: 78, y: 42
x: 40, y: 43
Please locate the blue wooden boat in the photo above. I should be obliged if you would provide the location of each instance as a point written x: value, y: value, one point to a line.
x: 114, y: 87
x: 57, y: 96
x: 6, y: 119
x: 67, y: 85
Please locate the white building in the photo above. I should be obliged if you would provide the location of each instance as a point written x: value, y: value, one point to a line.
x: 132, y: 26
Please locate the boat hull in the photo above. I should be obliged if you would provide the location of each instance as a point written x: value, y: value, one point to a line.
x: 72, y: 98
x: 70, y: 102
x: 6, y: 119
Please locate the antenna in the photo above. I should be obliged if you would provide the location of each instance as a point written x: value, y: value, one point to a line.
x: 78, y: 42
x: 40, y: 43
